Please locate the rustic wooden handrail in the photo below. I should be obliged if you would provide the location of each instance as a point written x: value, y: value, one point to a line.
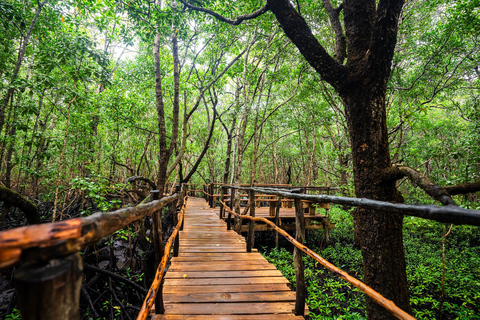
x: 155, y: 287
x: 445, y: 214
x: 374, y: 295
x: 52, y: 240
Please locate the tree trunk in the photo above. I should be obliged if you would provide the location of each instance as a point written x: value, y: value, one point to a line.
x: 380, y: 235
x: 21, y: 54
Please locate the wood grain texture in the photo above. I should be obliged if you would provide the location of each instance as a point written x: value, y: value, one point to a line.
x: 215, y: 278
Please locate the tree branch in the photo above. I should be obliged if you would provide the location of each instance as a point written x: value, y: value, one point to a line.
x: 219, y: 17
x: 17, y: 200
x: 463, y: 188
x: 397, y: 172
x: 140, y: 178
x: 297, y: 30
x: 340, y: 42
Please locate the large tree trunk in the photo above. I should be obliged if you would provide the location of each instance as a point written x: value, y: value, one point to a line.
x: 380, y: 235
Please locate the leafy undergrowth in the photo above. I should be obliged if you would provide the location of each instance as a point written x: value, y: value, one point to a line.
x: 330, y: 297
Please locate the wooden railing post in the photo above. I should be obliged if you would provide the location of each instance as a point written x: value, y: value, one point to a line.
x: 222, y: 197
x: 210, y: 198
x: 297, y: 260
x: 158, y: 245
x: 251, y: 223
x: 232, y: 200
x: 50, y: 290
x: 277, y: 218
x: 176, y: 246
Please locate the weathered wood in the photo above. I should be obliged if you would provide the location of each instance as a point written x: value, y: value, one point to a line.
x: 157, y: 229
x: 446, y: 214
x: 218, y: 265
x: 222, y: 198
x: 251, y: 223
x: 229, y: 216
x: 284, y: 316
x: 14, y: 198
x: 214, y: 275
x: 225, y: 281
x: 277, y: 218
x: 301, y: 289
x: 230, y: 308
x: 69, y: 236
x: 155, y: 293
x: 221, y: 297
x: 374, y: 295
x: 222, y: 274
x: 269, y: 287
x: 50, y: 290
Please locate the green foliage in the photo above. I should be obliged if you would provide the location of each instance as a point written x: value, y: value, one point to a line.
x: 329, y: 297
x: 15, y: 315
x: 97, y: 192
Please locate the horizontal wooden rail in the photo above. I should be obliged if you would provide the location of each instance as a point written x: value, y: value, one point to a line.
x: 154, y: 288
x: 52, y: 240
x: 446, y: 214
x: 374, y: 295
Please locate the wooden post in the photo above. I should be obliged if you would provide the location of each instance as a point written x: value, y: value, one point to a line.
x: 158, y: 245
x: 222, y: 197
x: 50, y: 290
x: 176, y: 245
x: 232, y: 200
x: 210, y: 190
x: 251, y: 223
x: 297, y: 260
x: 157, y: 229
x: 277, y: 218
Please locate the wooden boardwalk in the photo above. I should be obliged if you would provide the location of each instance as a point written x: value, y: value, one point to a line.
x: 215, y: 278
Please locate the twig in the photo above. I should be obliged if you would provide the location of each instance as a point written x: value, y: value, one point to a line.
x: 115, y: 276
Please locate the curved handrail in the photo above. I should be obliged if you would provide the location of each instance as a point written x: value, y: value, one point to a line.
x: 152, y: 292
x: 374, y: 295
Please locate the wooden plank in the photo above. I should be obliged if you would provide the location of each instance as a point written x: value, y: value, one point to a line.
x: 220, y: 249
x: 276, y: 287
x: 223, y: 274
x: 214, y: 278
x: 215, y: 256
x: 229, y: 308
x: 220, y: 267
x: 227, y: 317
x: 284, y: 296
x: 187, y: 281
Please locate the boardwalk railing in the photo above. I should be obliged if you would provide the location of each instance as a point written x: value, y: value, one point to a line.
x: 49, y: 280
x: 448, y: 214
x: 155, y: 292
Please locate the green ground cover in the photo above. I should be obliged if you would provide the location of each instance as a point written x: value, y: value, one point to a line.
x: 330, y: 297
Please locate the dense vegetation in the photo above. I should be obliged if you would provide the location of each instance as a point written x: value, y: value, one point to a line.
x: 329, y: 297
x: 94, y: 92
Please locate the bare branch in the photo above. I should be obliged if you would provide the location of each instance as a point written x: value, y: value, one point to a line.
x: 15, y: 199
x: 340, y: 41
x: 219, y: 17
x: 140, y: 178
x: 439, y: 193
x: 463, y: 188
